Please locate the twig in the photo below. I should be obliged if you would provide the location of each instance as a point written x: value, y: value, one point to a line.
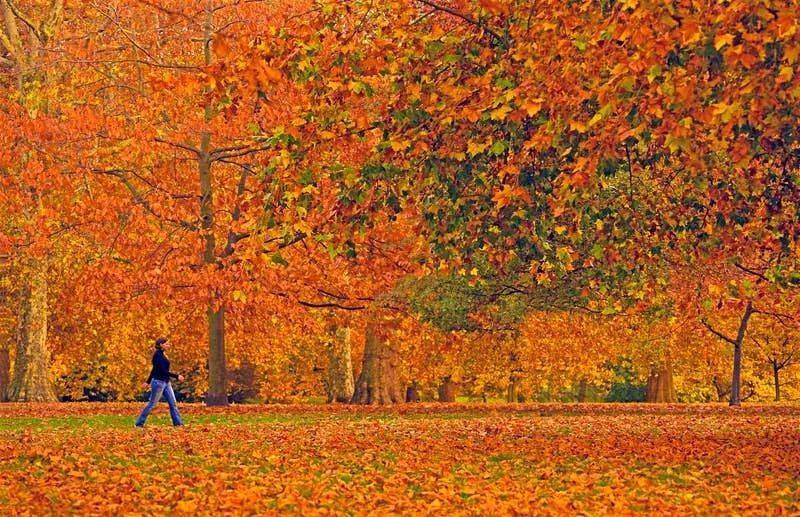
x: 465, y: 17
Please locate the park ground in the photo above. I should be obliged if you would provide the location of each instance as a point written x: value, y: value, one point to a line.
x: 431, y: 459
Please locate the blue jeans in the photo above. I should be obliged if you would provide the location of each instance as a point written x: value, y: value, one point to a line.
x: 157, y: 388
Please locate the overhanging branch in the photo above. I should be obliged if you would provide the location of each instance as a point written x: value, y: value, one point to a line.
x: 465, y: 17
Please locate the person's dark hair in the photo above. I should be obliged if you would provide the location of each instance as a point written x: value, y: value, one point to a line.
x: 159, y: 342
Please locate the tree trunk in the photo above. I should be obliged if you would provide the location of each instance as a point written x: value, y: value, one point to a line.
x: 378, y: 382
x: 660, y: 388
x: 339, y: 378
x: 447, y: 390
x: 736, y: 381
x: 776, y: 377
x: 31, y: 377
x: 412, y: 392
x: 5, y: 373
x: 582, y: 389
x: 31, y: 380
x: 511, y: 393
x: 217, y: 369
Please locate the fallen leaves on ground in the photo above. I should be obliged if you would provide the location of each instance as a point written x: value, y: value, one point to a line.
x: 463, y: 459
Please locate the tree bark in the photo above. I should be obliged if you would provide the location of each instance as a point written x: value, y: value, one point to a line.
x: 217, y: 371
x: 339, y: 381
x: 217, y: 368
x: 378, y: 382
x: 582, y: 390
x: 776, y: 377
x: 447, y: 390
x: 31, y: 377
x: 31, y: 380
x: 736, y: 381
x: 511, y: 392
x: 660, y: 388
x: 5, y: 373
x: 412, y: 392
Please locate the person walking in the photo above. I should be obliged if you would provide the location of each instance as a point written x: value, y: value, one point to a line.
x: 159, y: 384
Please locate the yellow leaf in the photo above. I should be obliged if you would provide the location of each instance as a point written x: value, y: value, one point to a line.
x: 399, y: 145
x: 722, y: 39
x: 500, y: 113
x: 474, y: 148
x: 580, y: 127
x: 532, y: 106
x: 791, y: 54
x: 785, y: 75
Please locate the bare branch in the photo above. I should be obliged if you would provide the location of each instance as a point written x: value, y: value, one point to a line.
x: 464, y: 17
x: 234, y: 237
x: 164, y: 10
x: 751, y: 271
x: 716, y: 333
x: 332, y: 305
x: 139, y: 199
x: 782, y: 318
x: 185, y: 147
x: 128, y: 35
x: 217, y: 155
x: 323, y: 305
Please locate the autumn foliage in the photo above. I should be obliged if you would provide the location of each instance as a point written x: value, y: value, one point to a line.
x: 397, y: 202
x: 565, y: 188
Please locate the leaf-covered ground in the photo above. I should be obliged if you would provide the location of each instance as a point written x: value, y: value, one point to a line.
x: 598, y: 459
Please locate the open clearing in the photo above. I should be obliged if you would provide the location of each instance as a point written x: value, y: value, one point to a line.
x: 465, y: 459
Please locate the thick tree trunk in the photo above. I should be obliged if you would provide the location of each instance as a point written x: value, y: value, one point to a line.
x: 660, y: 388
x: 378, y: 382
x: 31, y: 380
x: 447, y: 390
x: 736, y: 382
x: 512, y: 394
x: 777, y: 380
x: 31, y: 377
x: 5, y: 373
x: 217, y: 369
x: 339, y: 377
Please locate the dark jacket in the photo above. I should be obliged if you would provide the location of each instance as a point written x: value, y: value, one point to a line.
x: 160, y: 369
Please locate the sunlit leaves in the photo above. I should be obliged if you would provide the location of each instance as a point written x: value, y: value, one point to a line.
x: 421, y: 459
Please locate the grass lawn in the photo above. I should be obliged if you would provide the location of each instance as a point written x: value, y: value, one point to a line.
x: 434, y: 459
